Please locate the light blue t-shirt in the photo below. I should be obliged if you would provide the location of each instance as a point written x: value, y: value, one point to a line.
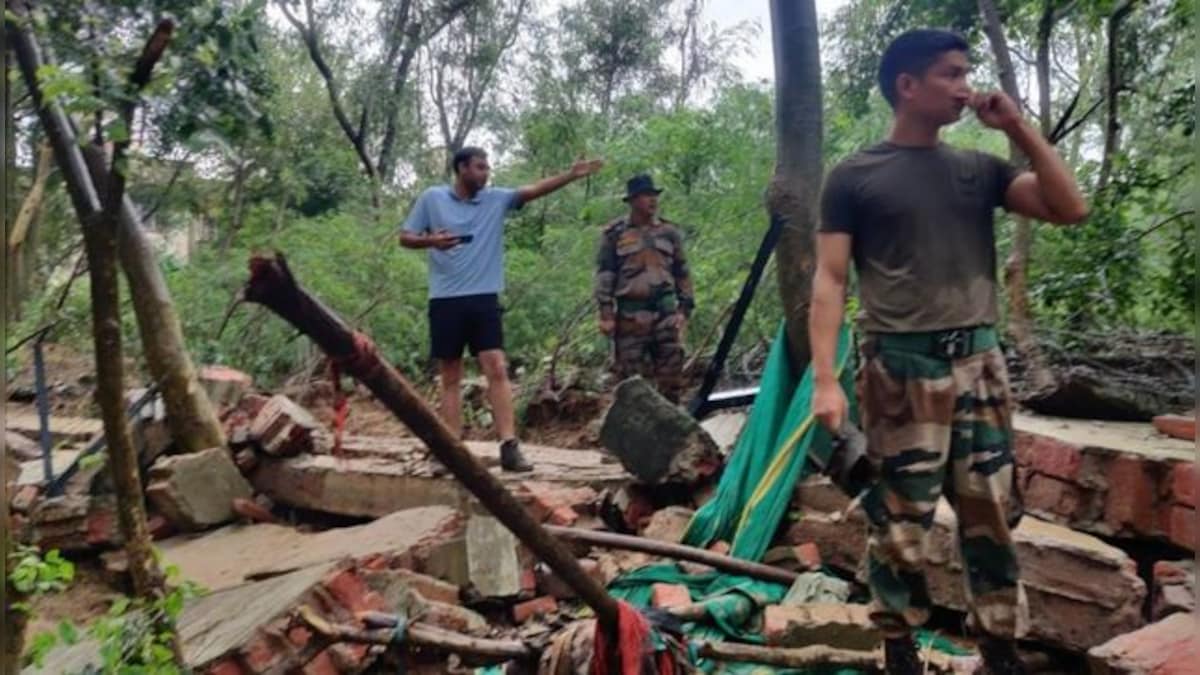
x: 473, y: 268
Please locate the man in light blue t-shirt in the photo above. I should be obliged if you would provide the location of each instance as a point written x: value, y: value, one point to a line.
x: 463, y: 226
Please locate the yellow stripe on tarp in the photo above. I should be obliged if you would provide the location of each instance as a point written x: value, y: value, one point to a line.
x: 784, y: 454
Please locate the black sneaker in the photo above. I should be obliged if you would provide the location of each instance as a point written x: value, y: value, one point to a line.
x: 511, y: 458
x: 900, y: 656
x: 1000, y: 657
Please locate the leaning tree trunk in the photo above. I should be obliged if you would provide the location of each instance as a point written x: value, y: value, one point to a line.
x: 792, y: 196
x: 100, y: 242
x: 190, y: 416
x: 1016, y: 281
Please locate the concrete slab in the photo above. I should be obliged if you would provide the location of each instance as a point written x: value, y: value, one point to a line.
x: 379, y: 476
x: 231, y: 555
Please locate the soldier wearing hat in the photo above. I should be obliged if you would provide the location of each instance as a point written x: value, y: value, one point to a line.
x: 644, y: 291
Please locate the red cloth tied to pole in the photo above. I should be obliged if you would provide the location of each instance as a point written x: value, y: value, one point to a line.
x: 634, y: 652
x: 364, y: 358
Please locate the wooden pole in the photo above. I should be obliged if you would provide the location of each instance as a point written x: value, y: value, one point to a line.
x: 678, y: 551
x: 272, y: 285
x: 421, y: 635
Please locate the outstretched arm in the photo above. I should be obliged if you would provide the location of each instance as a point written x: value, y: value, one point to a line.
x: 580, y: 169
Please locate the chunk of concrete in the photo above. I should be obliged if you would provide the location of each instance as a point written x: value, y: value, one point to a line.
x: 378, y: 476
x: 234, y: 554
x: 22, y: 447
x: 196, y: 490
x: 1174, y: 588
x: 724, y: 428
x: 842, y: 626
x: 492, y: 562
x: 1169, y: 647
x: 655, y: 440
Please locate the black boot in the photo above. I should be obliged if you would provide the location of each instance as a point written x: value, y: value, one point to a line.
x: 511, y: 458
x: 900, y: 656
x: 1000, y: 657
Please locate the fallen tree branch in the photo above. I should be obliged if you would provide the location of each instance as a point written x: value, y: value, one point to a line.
x: 418, y: 634
x: 272, y: 285
x: 678, y: 551
x: 802, y: 657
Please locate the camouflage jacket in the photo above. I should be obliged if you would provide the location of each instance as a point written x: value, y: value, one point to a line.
x: 642, y: 268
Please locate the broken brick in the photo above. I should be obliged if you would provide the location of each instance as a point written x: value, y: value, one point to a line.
x: 1184, y: 483
x: 25, y: 498
x: 542, y: 606
x: 225, y: 386
x: 670, y: 595
x: 1047, y: 455
x: 430, y: 588
x: 283, y: 428
x: 159, y: 527
x: 251, y: 511
x: 1182, y: 528
x: 1049, y: 495
x: 1169, y: 647
x: 1129, y: 502
x: 809, y: 556
x: 350, y: 591
x: 1176, y: 426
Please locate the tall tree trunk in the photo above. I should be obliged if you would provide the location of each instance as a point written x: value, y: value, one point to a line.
x: 793, y: 193
x: 1112, y: 90
x: 100, y: 224
x: 10, y: 183
x: 190, y: 417
x: 1045, y: 28
x: 1020, y: 320
x: 12, y: 636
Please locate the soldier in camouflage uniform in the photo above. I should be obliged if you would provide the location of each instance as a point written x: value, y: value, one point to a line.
x: 644, y: 291
x: 916, y: 217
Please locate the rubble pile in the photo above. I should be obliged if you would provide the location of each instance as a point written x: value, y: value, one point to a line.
x: 416, y: 574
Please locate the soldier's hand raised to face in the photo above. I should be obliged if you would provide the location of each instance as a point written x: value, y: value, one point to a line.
x: 607, y: 326
x: 995, y: 109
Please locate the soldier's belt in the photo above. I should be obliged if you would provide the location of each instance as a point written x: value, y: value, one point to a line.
x: 949, y: 344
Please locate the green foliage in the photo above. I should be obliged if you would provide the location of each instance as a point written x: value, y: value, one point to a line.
x: 133, y: 637
x: 34, y: 574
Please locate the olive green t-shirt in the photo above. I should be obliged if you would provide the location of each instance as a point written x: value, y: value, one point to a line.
x: 923, y: 236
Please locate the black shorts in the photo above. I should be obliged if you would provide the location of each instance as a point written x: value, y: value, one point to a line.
x: 470, y: 320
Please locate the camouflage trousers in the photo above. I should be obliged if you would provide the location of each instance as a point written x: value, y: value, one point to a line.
x: 939, y: 426
x: 647, y: 343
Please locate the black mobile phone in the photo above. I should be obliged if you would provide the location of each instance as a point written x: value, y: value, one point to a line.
x: 465, y: 238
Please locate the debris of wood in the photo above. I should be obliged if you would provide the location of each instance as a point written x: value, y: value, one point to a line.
x: 419, y: 635
x: 676, y: 551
